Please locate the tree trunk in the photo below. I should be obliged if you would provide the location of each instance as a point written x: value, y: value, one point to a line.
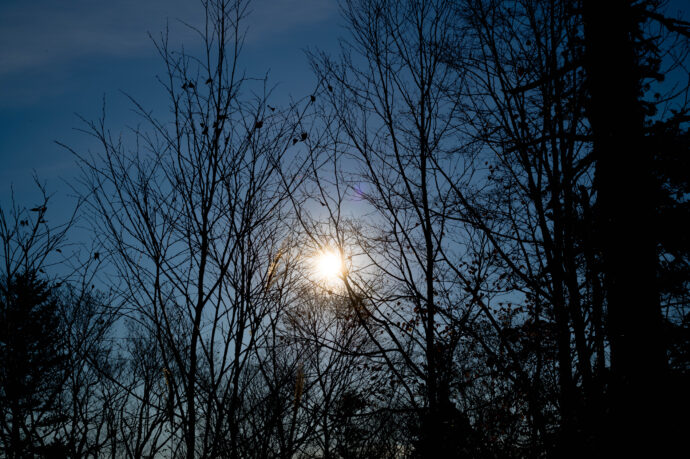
x: 625, y: 201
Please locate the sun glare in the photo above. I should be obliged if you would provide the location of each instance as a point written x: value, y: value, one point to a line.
x: 329, y: 265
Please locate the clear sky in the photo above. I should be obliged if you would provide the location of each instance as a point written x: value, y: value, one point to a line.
x: 59, y: 58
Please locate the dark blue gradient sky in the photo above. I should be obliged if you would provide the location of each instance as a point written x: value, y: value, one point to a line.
x: 61, y: 58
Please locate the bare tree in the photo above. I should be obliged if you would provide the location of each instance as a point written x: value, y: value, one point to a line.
x: 457, y: 160
x: 392, y: 120
x: 190, y: 216
x: 533, y: 92
x: 526, y: 115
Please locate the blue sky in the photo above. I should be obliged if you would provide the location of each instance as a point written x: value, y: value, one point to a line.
x: 59, y: 58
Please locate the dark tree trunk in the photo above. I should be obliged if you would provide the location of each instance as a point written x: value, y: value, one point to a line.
x: 625, y: 217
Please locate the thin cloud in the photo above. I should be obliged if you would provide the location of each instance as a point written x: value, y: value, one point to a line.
x: 43, y: 33
x: 270, y: 17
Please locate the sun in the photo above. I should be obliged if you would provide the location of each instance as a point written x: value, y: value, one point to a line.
x: 329, y: 266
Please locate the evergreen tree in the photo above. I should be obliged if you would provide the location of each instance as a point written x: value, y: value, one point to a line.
x: 32, y: 367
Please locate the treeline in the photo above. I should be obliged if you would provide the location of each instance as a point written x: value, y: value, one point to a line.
x: 506, y: 182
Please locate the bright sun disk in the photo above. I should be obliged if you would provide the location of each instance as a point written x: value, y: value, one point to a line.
x: 329, y: 265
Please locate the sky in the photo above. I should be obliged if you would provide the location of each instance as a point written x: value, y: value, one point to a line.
x: 61, y: 58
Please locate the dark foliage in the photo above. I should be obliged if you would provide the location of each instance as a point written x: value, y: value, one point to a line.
x: 32, y: 366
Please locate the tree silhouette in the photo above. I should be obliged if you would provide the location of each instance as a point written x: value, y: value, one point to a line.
x: 506, y: 183
x: 191, y: 223
x: 391, y: 117
x: 622, y: 61
x: 32, y: 366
